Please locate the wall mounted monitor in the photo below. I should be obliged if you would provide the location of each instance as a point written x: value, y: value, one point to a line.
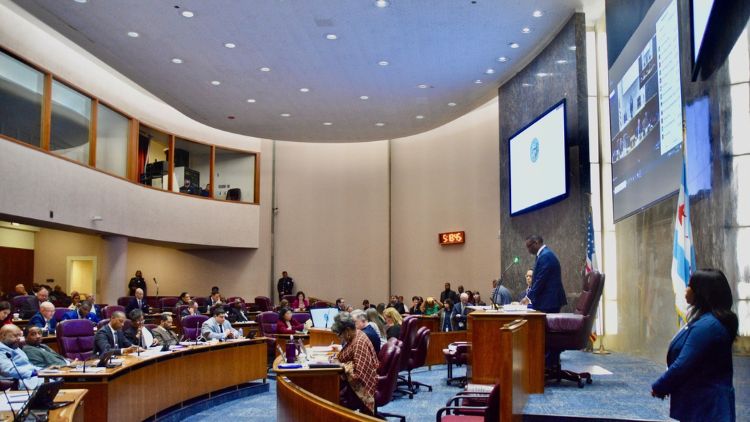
x: 539, y: 162
x: 645, y: 101
x: 323, y: 317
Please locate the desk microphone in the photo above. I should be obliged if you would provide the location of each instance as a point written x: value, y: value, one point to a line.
x: 515, y: 261
x: 20, y: 377
x: 197, y: 331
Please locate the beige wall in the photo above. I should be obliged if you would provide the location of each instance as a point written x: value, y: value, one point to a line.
x: 443, y: 180
x: 52, y: 249
x: 332, y: 219
x: 13, y: 238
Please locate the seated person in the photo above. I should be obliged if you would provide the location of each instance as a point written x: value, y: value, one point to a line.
x: 83, y: 312
x: 529, y: 279
x: 189, y: 188
x: 45, y: 318
x: 163, y: 334
x: 360, y: 365
x: 460, y: 310
x: 394, y: 303
x: 31, y: 305
x: 416, y: 308
x: 75, y: 300
x: 217, y: 327
x: 500, y: 294
x: 111, y: 337
x: 40, y: 355
x: 367, y: 305
x: 24, y: 371
x: 283, y: 304
x: 137, y: 302
x: 478, y: 300
x: 301, y: 303
x: 137, y: 333
x: 287, y: 325
x: 215, y: 300
x: 183, y: 300
x: 341, y: 304
x: 377, y: 322
x: 393, y: 321
x: 431, y: 306
x: 361, y: 322
x: 192, y: 309
x: 5, y: 315
x: 235, y: 312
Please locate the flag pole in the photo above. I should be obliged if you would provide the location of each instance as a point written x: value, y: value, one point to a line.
x: 602, y: 350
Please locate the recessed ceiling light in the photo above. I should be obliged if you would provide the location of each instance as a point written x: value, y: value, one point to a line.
x: 383, y: 63
x: 285, y: 115
x: 230, y: 45
x: 542, y: 74
x: 423, y: 86
x: 187, y: 14
x: 513, y: 45
x: 563, y: 61
x: 419, y: 117
x: 177, y: 60
x: 379, y: 124
x: 230, y: 117
x: 81, y: 1
x: 133, y: 34
x: 502, y: 59
x: 332, y: 37
x: 215, y: 83
x: 251, y: 100
x: 382, y: 3
x: 364, y: 97
x: 526, y: 30
x: 265, y: 69
x: 478, y: 81
x: 304, y: 90
x: 526, y: 84
x: 572, y: 48
x: 451, y: 104
x: 327, y: 124
x: 489, y: 71
x: 537, y: 14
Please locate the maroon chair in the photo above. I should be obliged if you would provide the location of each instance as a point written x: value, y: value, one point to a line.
x: 387, y: 375
x: 151, y: 327
x: 19, y: 302
x: 178, y: 311
x: 234, y: 299
x: 417, y: 356
x: 59, y: 312
x: 570, y: 331
x: 320, y: 304
x: 289, y: 298
x: 191, y: 326
x: 124, y: 300
x: 455, y: 413
x: 301, y: 317
x: 408, y: 337
x: 267, y: 327
x: 202, y: 303
x: 153, y: 303
x: 263, y: 303
x: 109, y: 310
x: 456, y: 354
x: 167, y: 303
x: 102, y: 323
x: 75, y: 338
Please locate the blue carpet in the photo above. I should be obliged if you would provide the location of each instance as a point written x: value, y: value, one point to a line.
x: 623, y: 395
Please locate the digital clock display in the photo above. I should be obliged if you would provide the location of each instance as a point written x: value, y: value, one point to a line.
x: 451, y: 238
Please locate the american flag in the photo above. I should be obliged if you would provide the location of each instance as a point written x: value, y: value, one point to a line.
x: 591, y: 262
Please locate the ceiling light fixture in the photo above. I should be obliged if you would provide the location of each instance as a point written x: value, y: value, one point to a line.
x: 285, y: 115
x: 364, y: 97
x: 230, y: 45
x: 187, y: 14
x: 382, y: 3
x: 419, y: 117
x: 537, y: 14
x: 451, y: 104
x: 526, y: 84
x: 489, y: 71
x: 81, y: 1
x: 513, y: 45
x: 304, y: 90
x: 478, y: 81
x: 251, y: 100
x: 383, y: 63
x: 542, y: 74
x: 215, y: 83
x: 379, y: 124
x: 423, y: 86
x: 502, y: 59
x: 327, y: 124
x: 177, y: 60
x: 572, y: 48
x: 265, y: 69
x: 133, y: 34
x: 332, y: 37
x: 562, y: 61
x: 526, y: 30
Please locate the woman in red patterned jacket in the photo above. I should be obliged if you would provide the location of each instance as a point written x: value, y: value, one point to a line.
x: 360, y: 365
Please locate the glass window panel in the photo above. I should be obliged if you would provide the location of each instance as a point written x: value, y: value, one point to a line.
x: 112, y: 131
x: 153, y: 158
x: 21, y: 97
x: 235, y: 175
x: 192, y: 167
x: 71, y: 121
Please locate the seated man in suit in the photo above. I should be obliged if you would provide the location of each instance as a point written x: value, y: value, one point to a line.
x: 111, y: 337
x: 215, y: 300
x: 459, y: 312
x: 235, y: 312
x: 138, y: 333
x: 40, y: 355
x: 137, y: 302
x: 31, y: 306
x: 217, y: 327
x: 184, y: 300
x: 14, y: 364
x: 192, y: 309
x: 45, y: 318
x: 82, y: 312
x: 500, y: 294
x: 360, y: 321
x: 164, y: 334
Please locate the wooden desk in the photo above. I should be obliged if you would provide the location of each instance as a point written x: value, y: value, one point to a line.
x: 322, y: 382
x: 245, y: 327
x: 144, y: 386
x: 322, y: 337
x: 297, y: 404
x: 70, y: 413
x: 439, y: 340
x: 484, y: 335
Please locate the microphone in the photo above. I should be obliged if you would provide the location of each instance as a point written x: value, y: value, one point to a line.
x: 157, y: 286
x: 20, y: 377
x: 197, y: 331
x: 515, y: 261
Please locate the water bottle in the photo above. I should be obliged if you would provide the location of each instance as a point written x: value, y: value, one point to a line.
x: 291, y: 350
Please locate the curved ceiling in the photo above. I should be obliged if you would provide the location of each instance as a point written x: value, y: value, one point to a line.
x: 442, y: 58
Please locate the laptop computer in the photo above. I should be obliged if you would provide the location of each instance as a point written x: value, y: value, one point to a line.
x: 42, y: 400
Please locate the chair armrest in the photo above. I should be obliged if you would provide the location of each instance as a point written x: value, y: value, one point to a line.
x: 461, y: 396
x: 447, y: 409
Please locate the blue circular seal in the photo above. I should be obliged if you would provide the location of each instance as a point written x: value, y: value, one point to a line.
x: 534, y: 150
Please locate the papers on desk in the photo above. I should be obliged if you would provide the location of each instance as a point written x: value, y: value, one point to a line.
x: 515, y: 308
x: 17, y: 400
x: 91, y: 369
x: 154, y: 351
x: 321, y: 349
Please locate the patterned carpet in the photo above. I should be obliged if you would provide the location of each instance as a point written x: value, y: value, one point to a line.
x: 622, y: 395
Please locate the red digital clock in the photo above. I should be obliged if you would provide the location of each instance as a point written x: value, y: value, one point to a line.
x: 451, y: 238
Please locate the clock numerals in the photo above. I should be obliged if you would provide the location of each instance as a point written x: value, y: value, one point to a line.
x: 451, y: 238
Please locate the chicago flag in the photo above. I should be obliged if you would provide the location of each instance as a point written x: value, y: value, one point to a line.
x: 683, y: 255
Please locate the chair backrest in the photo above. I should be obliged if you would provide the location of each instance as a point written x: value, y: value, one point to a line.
x: 102, y: 323
x: 234, y: 194
x: 75, y: 338
x: 263, y: 303
x: 234, y: 299
x: 289, y: 298
x: 19, y: 302
x: 418, y: 354
x: 153, y: 301
x: 59, y: 312
x: 124, y: 300
x: 178, y: 311
x: 301, y: 317
x: 167, y: 303
x: 109, y: 310
x: 191, y: 326
x: 387, y: 373
x: 408, y: 335
x: 151, y: 327
x: 267, y: 323
x: 588, y: 302
x: 319, y: 304
x: 492, y: 414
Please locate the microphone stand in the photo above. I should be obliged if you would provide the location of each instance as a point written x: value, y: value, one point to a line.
x: 157, y: 287
x: 197, y: 331
x: 15, y: 418
x: 20, y: 377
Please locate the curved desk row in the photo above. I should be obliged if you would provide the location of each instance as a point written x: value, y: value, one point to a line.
x: 73, y: 412
x: 146, y: 385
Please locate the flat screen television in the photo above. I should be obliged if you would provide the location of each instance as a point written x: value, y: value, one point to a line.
x: 538, y: 162
x: 323, y: 317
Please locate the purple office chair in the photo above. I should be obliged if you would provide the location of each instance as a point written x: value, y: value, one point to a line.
x: 263, y: 303
x: 454, y: 412
x: 191, y: 326
x: 289, y: 298
x: 109, y: 310
x: 124, y: 300
x: 19, y: 302
x: 59, y: 312
x: 75, y: 338
x: 417, y: 355
x: 387, y: 375
x: 167, y: 303
x: 267, y: 327
x: 408, y: 337
x: 301, y: 317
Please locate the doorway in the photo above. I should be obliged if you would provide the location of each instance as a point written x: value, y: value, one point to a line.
x: 82, y: 274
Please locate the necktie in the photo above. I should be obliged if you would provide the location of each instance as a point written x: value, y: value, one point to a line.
x: 139, y: 303
x: 114, y: 337
x: 221, y: 328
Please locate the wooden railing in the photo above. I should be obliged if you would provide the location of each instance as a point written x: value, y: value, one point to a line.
x: 295, y: 404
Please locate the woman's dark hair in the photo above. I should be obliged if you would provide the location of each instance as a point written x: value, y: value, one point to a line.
x: 282, y: 312
x: 448, y: 302
x: 182, y: 295
x: 380, y: 308
x: 416, y: 298
x: 711, y: 293
x: 301, y: 293
x: 4, y: 305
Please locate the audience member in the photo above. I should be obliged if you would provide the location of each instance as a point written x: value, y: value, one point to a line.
x: 341, y: 304
x: 699, y: 360
x: 235, y: 312
x: 45, y: 318
x: 5, y: 313
x: 163, y: 334
x: 448, y: 294
x: 285, y: 286
x: 376, y: 323
x: 40, y: 355
x: 19, y: 290
x: 217, y: 327
x: 460, y: 290
x: 215, y: 300
x: 416, y: 305
x: 393, y: 321
x: 366, y: 304
x: 17, y: 366
x: 31, y: 306
x: 360, y: 365
x: 478, y: 300
x: 471, y: 296
x: 445, y: 316
x: 394, y: 303
x: 138, y: 333
x: 287, y: 325
x: 137, y: 282
x: 183, y: 300
x: 500, y: 294
x: 83, y: 312
x: 75, y: 300
x: 430, y: 306
x: 360, y: 321
x: 137, y: 302
x: 529, y: 279
x: 460, y: 310
x: 380, y: 308
x: 192, y: 309
x: 111, y: 337
x: 301, y: 304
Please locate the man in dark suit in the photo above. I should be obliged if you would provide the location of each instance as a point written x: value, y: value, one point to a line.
x: 83, y: 312
x: 448, y: 294
x: 235, y: 312
x: 138, y: 302
x: 546, y: 293
x: 111, y: 337
x: 137, y: 282
x: 459, y: 312
x: 31, y: 306
x: 285, y: 285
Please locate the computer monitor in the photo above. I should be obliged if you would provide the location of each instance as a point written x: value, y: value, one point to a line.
x: 323, y: 317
